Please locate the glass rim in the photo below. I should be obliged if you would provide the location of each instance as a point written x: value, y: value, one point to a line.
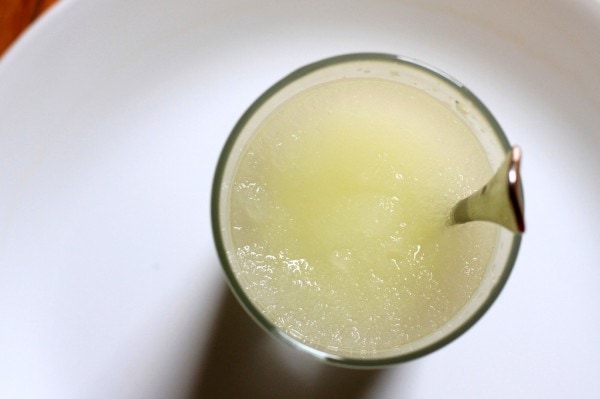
x: 232, y: 281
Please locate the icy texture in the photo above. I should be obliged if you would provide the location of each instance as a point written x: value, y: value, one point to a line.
x: 339, y: 217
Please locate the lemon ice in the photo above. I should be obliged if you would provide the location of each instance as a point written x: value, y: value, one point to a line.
x: 339, y: 213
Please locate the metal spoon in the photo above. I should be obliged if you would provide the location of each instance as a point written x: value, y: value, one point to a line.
x: 499, y: 201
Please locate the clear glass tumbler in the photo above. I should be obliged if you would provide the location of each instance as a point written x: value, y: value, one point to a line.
x: 444, y: 90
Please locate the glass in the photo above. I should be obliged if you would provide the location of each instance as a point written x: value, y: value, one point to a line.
x: 442, y: 87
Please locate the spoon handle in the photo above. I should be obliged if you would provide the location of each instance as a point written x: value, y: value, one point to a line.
x: 499, y: 201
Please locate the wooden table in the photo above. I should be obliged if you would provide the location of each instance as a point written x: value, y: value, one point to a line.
x: 15, y: 17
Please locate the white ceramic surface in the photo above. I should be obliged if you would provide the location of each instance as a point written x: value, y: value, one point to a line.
x: 112, y: 116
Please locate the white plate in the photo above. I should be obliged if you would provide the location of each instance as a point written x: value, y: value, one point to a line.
x: 112, y: 115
